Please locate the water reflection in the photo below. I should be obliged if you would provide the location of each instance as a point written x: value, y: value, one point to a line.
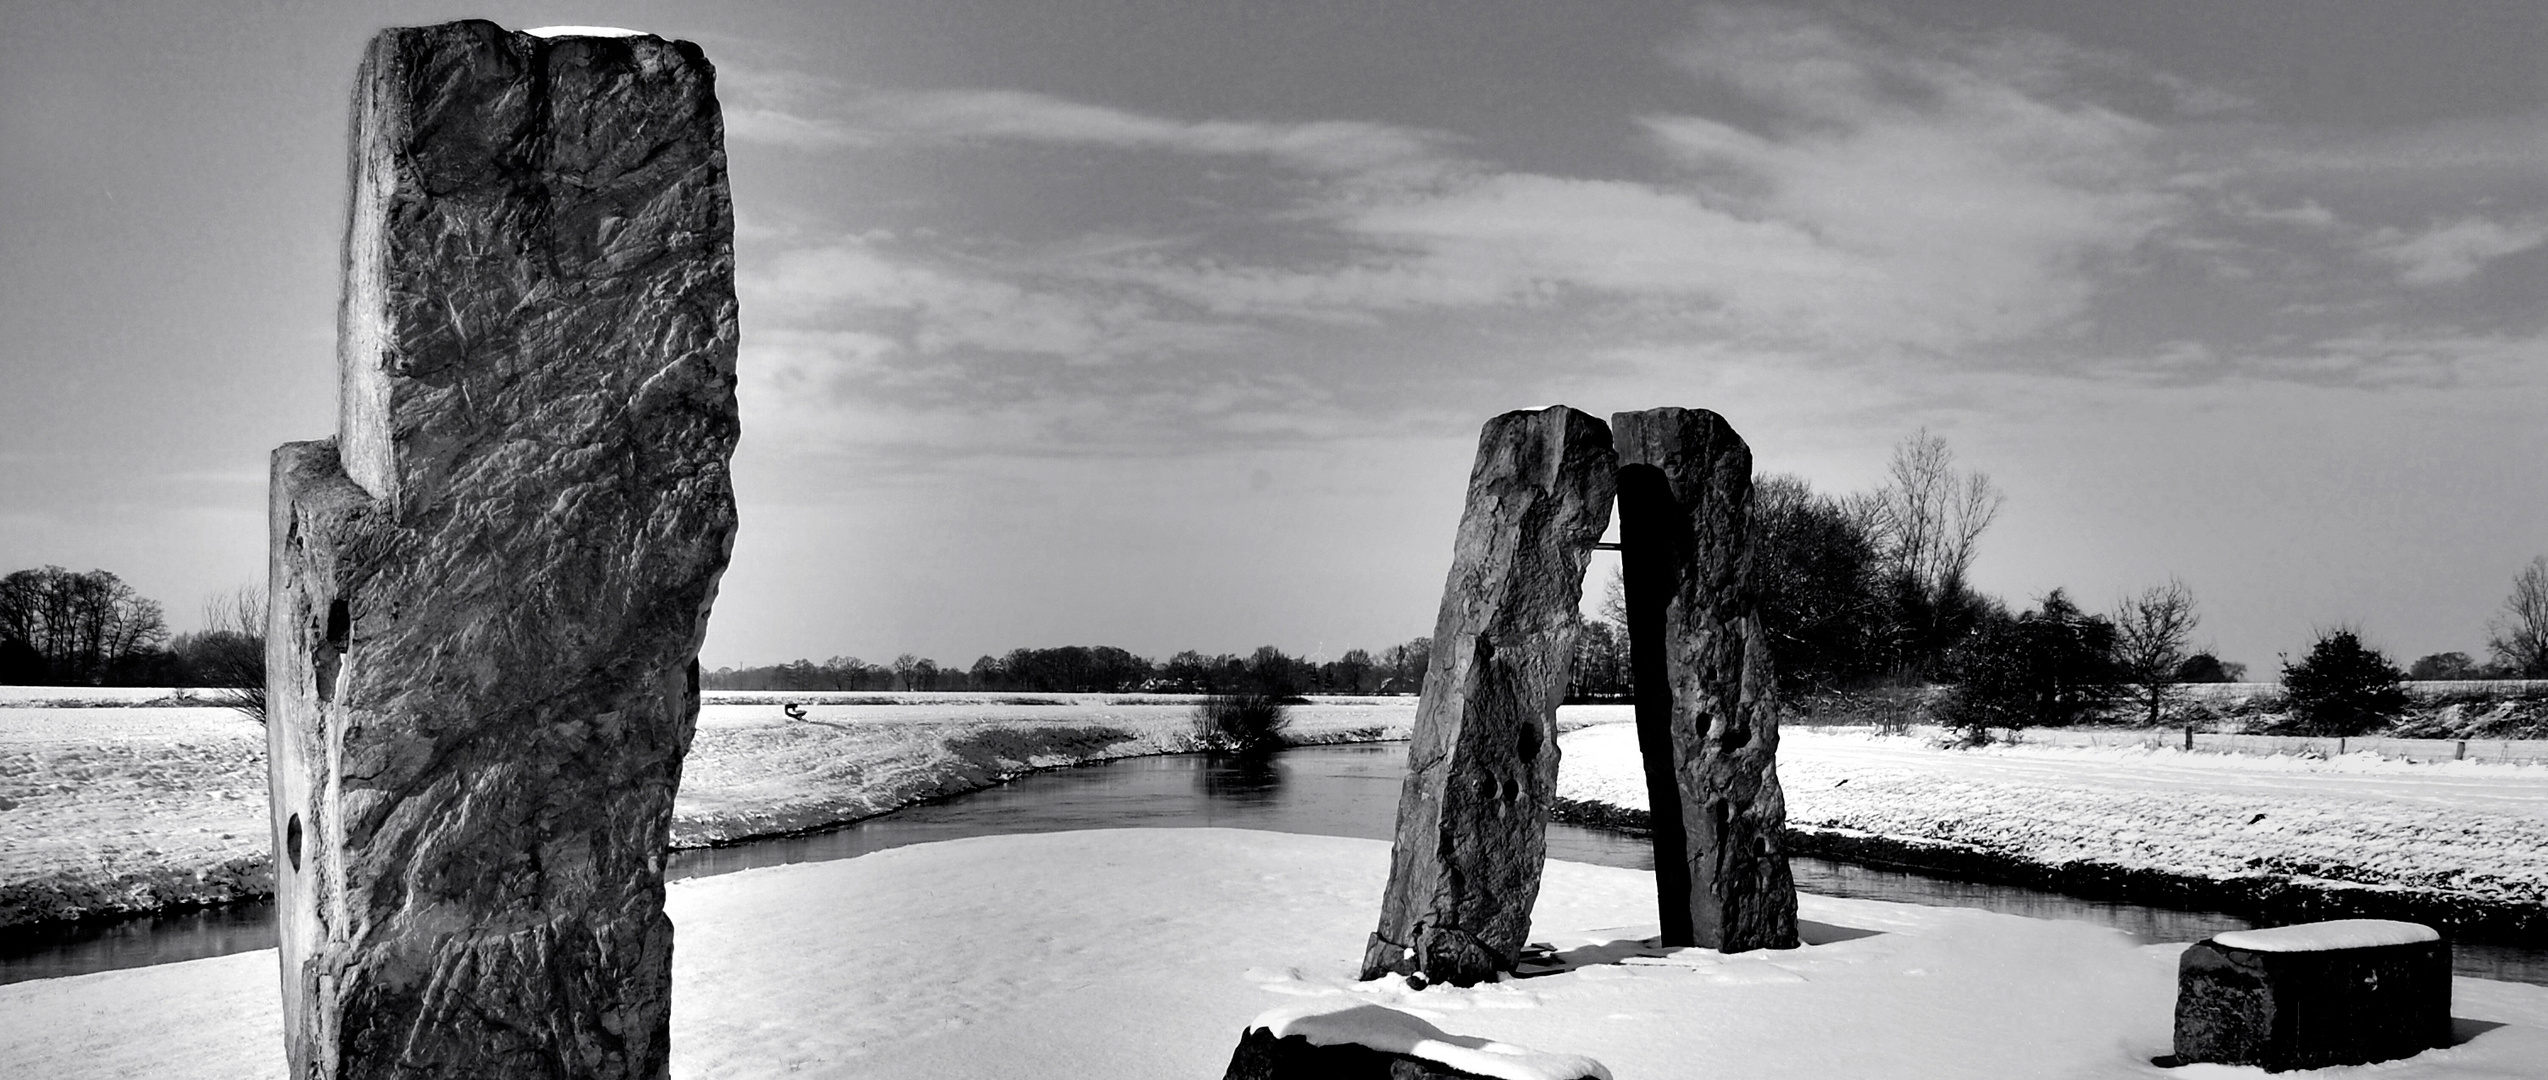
x: 1241, y: 779
x: 55, y: 950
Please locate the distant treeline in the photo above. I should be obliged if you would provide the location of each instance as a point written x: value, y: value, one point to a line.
x: 58, y: 628
x: 1102, y: 669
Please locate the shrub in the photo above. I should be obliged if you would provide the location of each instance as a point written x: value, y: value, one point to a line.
x: 2048, y: 667
x: 2343, y: 687
x: 1242, y: 723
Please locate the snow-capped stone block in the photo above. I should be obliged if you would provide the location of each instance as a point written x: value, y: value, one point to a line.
x: 2346, y: 992
x: 2332, y: 934
x: 1472, y: 829
x: 489, y: 589
x: 1707, y: 715
x: 1350, y: 1041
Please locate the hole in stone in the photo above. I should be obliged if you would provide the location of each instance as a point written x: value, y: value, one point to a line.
x: 1529, y: 743
x: 292, y: 842
x: 694, y: 679
x: 332, y: 645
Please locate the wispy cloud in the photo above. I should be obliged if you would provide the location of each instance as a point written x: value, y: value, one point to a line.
x: 782, y: 114
x: 2454, y: 251
x: 1840, y: 191
x: 1338, y: 147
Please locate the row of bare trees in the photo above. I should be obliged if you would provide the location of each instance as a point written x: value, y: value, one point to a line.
x: 58, y: 627
x: 1398, y: 669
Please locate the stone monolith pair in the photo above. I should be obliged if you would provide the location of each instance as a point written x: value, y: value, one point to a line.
x: 1482, y: 765
x: 489, y: 589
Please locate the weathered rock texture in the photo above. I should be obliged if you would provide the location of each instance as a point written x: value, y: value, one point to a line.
x: 1482, y: 765
x: 2311, y: 1009
x: 489, y: 589
x: 1706, y: 717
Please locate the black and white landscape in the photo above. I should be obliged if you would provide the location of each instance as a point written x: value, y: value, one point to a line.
x: 2140, y: 405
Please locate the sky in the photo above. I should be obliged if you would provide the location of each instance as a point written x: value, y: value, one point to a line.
x: 1170, y: 324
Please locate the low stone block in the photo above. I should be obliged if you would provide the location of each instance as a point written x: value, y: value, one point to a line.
x: 2346, y: 992
x: 1328, y: 1041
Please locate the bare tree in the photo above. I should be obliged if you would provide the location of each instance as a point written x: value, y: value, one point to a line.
x: 1928, y: 518
x: 231, y: 650
x: 85, y: 626
x: 1925, y: 523
x: 2150, y: 636
x: 906, y: 668
x: 2520, y: 637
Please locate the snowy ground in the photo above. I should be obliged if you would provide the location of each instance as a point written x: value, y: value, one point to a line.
x: 1142, y: 954
x: 126, y: 808
x: 130, y: 807
x: 2467, y: 829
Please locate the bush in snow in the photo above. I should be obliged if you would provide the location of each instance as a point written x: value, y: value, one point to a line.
x: 1245, y: 723
x: 2343, y: 687
x: 2047, y: 667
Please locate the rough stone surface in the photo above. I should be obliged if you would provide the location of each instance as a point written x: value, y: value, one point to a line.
x: 1262, y: 1056
x: 2311, y: 1009
x: 489, y: 589
x: 1706, y: 716
x: 1482, y: 764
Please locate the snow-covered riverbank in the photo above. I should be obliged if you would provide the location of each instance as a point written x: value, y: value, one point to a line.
x: 129, y: 808
x: 1142, y: 954
x: 132, y: 808
x: 2459, y: 842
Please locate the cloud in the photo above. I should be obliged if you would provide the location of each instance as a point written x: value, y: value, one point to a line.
x: 2450, y: 152
x: 1971, y: 176
x: 2307, y: 214
x: 1892, y: 198
x: 778, y: 127
x: 1336, y: 147
x: 928, y: 309
x: 1924, y: 195
x: 1841, y: 193
x: 1326, y: 147
x: 2454, y: 251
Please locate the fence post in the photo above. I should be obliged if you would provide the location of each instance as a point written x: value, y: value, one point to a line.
x: 2340, y: 746
x: 2462, y: 753
x: 2189, y: 738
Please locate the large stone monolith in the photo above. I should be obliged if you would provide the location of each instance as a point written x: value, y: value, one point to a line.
x: 489, y: 588
x: 1482, y: 766
x: 1706, y: 712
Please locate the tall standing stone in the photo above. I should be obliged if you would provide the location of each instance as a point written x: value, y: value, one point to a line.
x: 489, y: 588
x: 1482, y: 767
x: 1706, y: 715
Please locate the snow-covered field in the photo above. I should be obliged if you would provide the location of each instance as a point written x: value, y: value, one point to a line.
x: 127, y: 808
x: 2462, y: 829
x: 1142, y: 954
x: 131, y: 807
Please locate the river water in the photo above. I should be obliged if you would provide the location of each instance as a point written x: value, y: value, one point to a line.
x: 1328, y: 791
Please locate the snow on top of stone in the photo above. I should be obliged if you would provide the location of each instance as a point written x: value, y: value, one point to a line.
x: 1331, y: 1023
x: 2323, y: 936
x: 583, y: 31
